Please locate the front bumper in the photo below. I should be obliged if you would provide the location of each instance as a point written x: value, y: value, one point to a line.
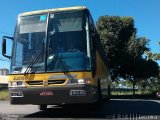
x: 54, y: 95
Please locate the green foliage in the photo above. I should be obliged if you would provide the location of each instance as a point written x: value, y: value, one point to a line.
x: 154, y: 56
x: 152, y: 85
x: 136, y: 47
x: 115, y: 32
x: 124, y: 50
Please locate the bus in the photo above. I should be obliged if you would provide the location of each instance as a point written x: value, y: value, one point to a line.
x: 56, y: 58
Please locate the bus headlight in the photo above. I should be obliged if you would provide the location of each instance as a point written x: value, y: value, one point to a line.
x: 16, y: 84
x: 79, y: 81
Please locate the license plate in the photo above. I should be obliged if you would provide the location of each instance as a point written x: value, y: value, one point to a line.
x: 77, y: 93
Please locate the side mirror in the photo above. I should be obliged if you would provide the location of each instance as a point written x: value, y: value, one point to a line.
x: 4, y: 44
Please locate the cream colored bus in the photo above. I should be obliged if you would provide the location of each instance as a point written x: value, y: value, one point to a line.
x: 56, y: 59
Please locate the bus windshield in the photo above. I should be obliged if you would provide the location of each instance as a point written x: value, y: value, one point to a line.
x: 61, y: 38
x: 67, y: 41
x: 29, y: 38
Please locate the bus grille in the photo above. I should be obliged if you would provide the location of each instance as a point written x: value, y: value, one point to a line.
x: 50, y: 82
x: 34, y: 82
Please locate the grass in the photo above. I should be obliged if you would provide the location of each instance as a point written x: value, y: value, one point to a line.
x: 126, y: 93
x: 129, y: 95
x: 123, y: 91
x: 4, y: 95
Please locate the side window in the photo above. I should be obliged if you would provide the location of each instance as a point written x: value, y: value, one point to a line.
x: 92, y: 27
x: 92, y: 44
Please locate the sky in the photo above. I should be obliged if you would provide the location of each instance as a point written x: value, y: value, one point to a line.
x: 146, y: 14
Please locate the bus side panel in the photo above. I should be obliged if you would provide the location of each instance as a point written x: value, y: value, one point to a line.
x: 102, y: 74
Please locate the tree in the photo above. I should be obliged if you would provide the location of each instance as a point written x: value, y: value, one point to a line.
x: 123, y: 50
x: 114, y: 33
x: 138, y: 70
x: 151, y: 55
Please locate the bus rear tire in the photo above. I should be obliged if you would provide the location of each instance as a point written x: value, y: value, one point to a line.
x: 109, y: 94
x: 99, y: 92
x: 98, y: 104
x: 42, y: 107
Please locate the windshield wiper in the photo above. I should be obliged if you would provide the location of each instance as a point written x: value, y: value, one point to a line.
x: 30, y: 66
x: 59, y: 60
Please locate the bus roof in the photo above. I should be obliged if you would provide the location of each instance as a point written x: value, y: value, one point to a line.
x: 53, y: 10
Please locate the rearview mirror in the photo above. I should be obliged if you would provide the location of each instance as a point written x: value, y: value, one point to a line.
x: 4, y: 46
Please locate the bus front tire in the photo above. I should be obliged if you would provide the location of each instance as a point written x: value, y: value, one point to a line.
x: 42, y: 107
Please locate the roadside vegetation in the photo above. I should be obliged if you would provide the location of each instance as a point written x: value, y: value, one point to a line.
x: 129, y: 95
x: 126, y: 55
x: 4, y: 95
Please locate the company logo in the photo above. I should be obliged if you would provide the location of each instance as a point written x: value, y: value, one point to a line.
x: 45, y: 83
x: 18, y: 78
x: 47, y: 93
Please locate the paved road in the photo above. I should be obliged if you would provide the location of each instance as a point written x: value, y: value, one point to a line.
x: 116, y: 108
